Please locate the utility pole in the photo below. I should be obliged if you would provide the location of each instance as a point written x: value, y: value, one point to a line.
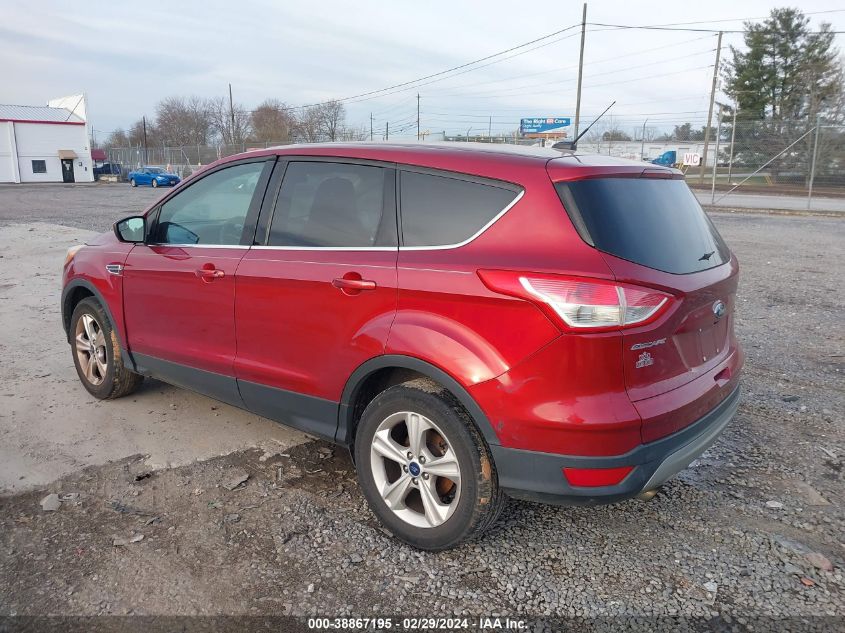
x: 710, y: 110
x: 144, y: 119
x: 232, y: 114
x: 386, y: 130
x: 490, y: 127
x: 733, y: 136
x: 813, y: 165
x: 716, y: 156
x: 371, y: 126
x: 418, y: 116
x: 642, y: 142
x: 580, y: 70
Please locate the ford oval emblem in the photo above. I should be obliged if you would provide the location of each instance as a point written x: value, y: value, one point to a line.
x: 719, y: 309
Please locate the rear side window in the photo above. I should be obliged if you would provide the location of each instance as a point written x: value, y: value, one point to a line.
x: 443, y: 211
x: 329, y: 205
x: 653, y: 222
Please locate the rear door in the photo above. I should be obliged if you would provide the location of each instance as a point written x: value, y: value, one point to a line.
x: 652, y: 231
x: 316, y: 297
x: 179, y: 287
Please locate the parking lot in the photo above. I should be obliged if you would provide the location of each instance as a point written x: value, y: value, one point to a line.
x: 148, y: 524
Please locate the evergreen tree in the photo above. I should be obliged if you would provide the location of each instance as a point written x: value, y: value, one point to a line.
x: 786, y: 76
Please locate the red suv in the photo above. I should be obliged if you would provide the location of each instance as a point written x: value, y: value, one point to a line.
x: 472, y: 322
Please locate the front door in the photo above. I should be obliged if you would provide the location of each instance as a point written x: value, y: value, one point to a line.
x: 317, y: 299
x: 67, y: 170
x: 179, y: 288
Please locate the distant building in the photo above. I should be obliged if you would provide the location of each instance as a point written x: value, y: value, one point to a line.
x: 637, y: 150
x: 46, y: 143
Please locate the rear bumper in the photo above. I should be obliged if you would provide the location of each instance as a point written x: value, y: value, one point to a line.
x: 539, y: 476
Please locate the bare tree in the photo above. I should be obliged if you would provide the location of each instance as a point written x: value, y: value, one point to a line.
x: 232, y: 125
x: 183, y: 121
x: 322, y: 122
x: 136, y: 134
x: 615, y: 134
x: 272, y: 121
x: 308, y: 126
x: 648, y: 134
x: 332, y: 118
x: 118, y: 138
x: 354, y: 133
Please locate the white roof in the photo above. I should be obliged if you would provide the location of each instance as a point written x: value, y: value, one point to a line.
x: 37, y: 113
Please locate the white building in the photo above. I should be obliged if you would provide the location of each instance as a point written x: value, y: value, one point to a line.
x: 46, y: 143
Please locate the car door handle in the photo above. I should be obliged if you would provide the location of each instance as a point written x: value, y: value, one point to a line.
x: 210, y: 274
x: 345, y: 283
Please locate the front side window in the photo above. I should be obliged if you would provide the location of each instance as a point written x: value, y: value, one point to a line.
x: 39, y: 167
x: 334, y: 205
x: 211, y: 211
x: 444, y: 211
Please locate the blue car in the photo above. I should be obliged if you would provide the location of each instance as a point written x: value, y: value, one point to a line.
x: 153, y: 176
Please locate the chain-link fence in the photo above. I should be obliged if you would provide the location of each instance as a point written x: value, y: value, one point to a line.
x: 182, y: 160
x: 783, y: 162
x: 786, y: 158
x: 790, y: 160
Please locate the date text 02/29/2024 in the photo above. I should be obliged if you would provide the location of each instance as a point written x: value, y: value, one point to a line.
x: 483, y: 623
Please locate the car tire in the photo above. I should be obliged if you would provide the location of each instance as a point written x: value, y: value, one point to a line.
x: 133, y: 183
x: 97, y: 353
x: 154, y: 183
x: 431, y: 512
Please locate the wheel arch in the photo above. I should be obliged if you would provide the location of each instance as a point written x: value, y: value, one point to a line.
x: 392, y: 369
x: 79, y: 289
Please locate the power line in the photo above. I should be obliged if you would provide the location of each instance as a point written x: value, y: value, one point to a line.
x: 618, y: 105
x: 608, y: 72
x: 758, y: 17
x: 512, y: 91
x: 496, y: 61
x: 666, y: 27
x: 442, y: 72
x: 590, y: 63
x: 655, y: 27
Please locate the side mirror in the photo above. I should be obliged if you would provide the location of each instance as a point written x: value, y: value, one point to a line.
x: 131, y: 229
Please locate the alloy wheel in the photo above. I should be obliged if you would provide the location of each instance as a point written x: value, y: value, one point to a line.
x: 91, y: 349
x: 415, y: 469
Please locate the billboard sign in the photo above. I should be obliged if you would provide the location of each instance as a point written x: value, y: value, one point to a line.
x: 545, y: 125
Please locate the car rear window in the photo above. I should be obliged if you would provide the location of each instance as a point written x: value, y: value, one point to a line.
x: 653, y: 222
x: 444, y: 211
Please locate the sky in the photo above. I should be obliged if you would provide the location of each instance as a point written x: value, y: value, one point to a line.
x: 126, y: 56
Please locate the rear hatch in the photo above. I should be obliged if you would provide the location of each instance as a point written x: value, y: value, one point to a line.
x: 652, y: 232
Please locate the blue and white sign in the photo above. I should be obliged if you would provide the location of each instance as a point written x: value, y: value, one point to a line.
x: 544, y: 125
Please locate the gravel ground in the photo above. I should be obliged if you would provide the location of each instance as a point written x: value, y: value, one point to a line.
x: 94, y: 207
x: 755, y: 528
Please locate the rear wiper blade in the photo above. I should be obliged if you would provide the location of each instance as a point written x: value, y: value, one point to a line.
x: 706, y: 257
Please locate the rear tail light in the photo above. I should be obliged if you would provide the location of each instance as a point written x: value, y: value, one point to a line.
x: 580, y: 303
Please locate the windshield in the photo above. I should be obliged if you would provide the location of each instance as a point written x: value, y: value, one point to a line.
x: 155, y: 170
x: 653, y: 222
